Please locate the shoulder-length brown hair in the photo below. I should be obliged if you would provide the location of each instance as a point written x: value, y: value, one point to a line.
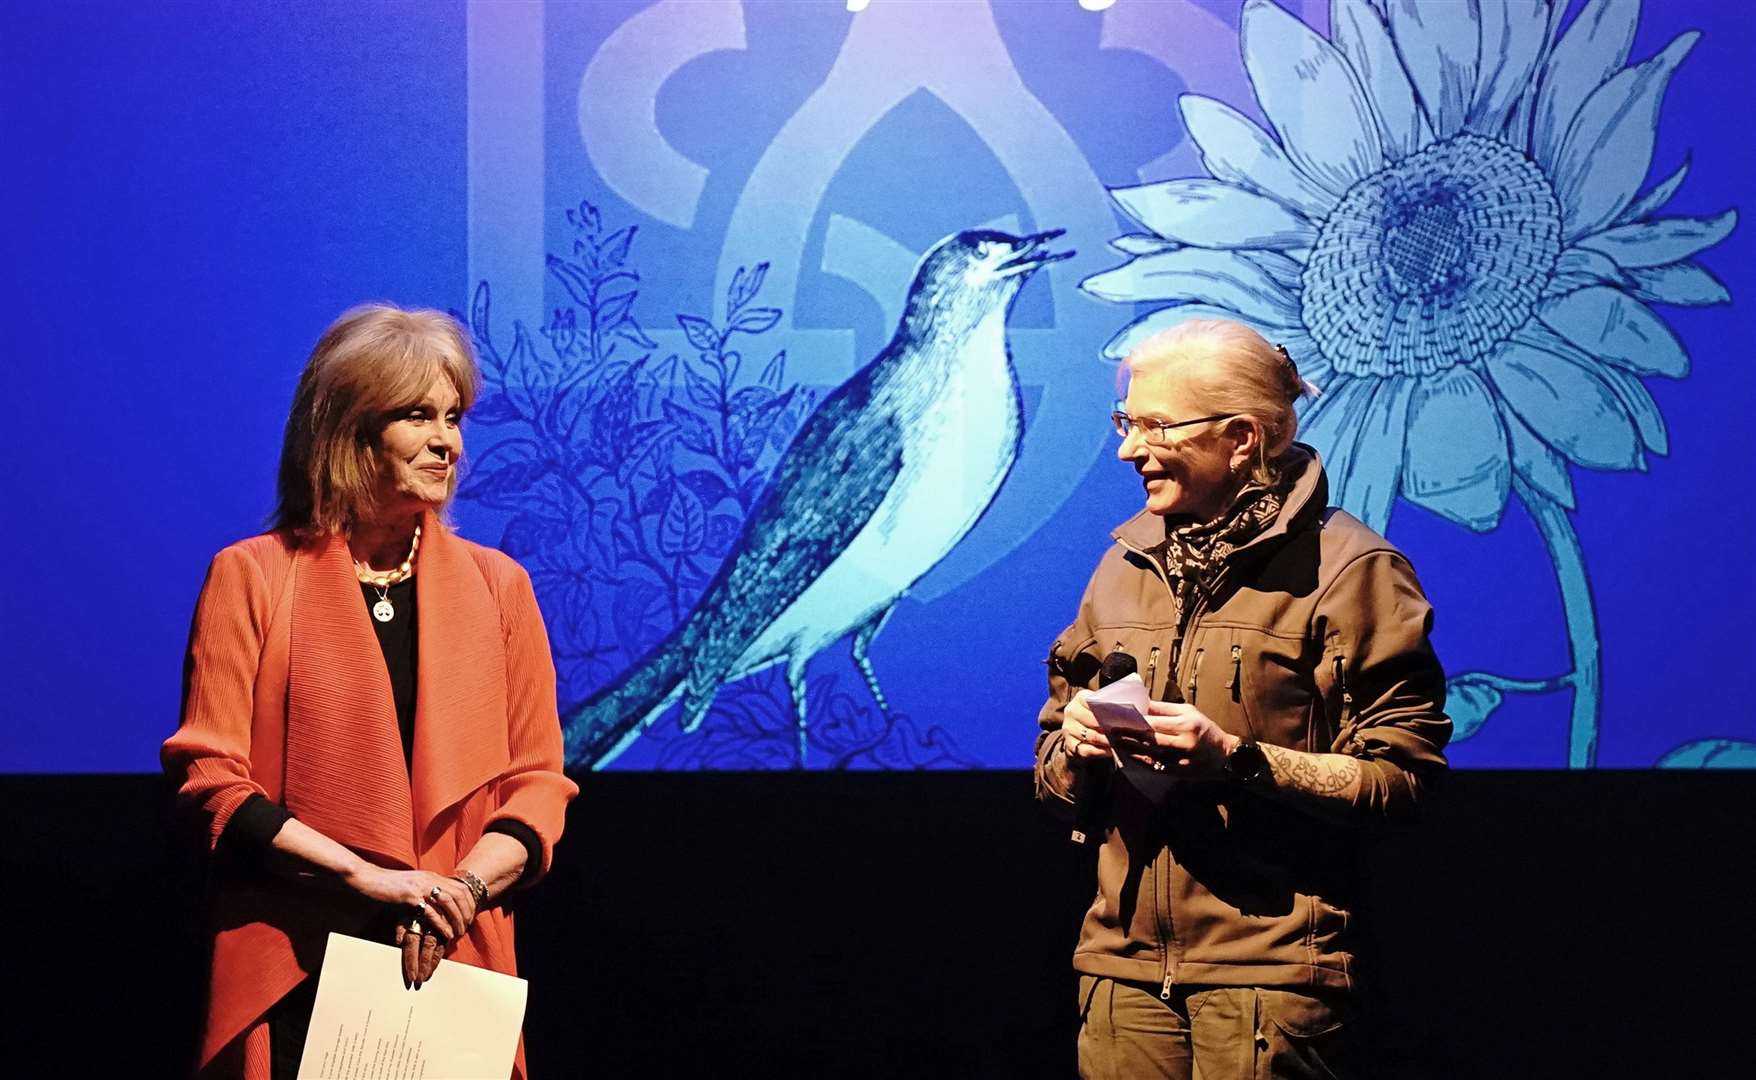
x: 372, y: 363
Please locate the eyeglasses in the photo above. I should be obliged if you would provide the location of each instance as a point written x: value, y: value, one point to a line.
x: 1157, y: 432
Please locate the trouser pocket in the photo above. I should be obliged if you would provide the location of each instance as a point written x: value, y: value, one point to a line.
x: 1300, y: 1036
x: 1246, y: 1033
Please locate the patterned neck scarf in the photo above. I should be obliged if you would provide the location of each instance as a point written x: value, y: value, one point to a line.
x: 1196, y: 553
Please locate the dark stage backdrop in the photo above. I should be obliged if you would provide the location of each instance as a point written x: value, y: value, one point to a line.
x: 1536, y: 924
x: 675, y: 227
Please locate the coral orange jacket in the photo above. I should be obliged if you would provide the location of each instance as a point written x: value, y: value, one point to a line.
x: 286, y: 694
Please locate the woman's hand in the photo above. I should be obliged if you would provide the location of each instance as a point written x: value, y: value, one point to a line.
x: 438, y: 910
x: 435, y: 911
x: 445, y: 905
x: 421, y: 951
x: 1079, y: 731
x: 1184, y: 741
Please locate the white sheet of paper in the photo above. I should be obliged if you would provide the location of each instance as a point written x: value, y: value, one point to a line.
x: 462, y: 1024
x: 1121, y: 706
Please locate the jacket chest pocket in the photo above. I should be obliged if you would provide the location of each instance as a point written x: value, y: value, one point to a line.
x: 1073, y: 663
x: 1253, y: 683
x: 1081, y: 663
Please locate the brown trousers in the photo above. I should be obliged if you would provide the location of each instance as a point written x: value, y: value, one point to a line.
x: 1128, y: 1032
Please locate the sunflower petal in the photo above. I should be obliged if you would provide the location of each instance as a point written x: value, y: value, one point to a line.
x: 1610, y: 324
x: 1456, y: 463
x: 1362, y: 37
x: 1580, y: 268
x: 1493, y: 33
x: 1519, y: 129
x: 1637, y: 399
x: 1221, y: 278
x: 1554, y: 389
x: 1165, y: 318
x: 1235, y: 150
x: 1360, y: 426
x: 1654, y: 199
x: 1607, y: 152
x: 1214, y: 214
x: 1142, y: 244
x: 1686, y: 284
x: 1299, y: 76
x: 1539, y: 465
x: 1593, y: 48
x: 1667, y: 240
x: 1286, y: 271
x: 1440, y: 44
x: 1513, y: 35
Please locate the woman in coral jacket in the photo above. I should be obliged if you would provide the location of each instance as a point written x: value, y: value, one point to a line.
x: 369, y: 737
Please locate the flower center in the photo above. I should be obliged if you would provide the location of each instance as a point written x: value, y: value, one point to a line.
x: 1433, y: 261
x: 1425, y: 247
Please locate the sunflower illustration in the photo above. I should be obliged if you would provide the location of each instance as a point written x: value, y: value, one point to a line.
x: 1445, y: 227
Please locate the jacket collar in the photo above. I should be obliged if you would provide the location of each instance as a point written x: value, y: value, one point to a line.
x: 1308, y: 497
x: 461, y: 741
x: 345, y: 775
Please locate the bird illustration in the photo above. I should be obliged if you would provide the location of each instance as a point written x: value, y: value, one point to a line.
x: 882, y: 480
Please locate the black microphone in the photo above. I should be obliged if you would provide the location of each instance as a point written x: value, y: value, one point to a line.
x: 1117, y: 666
x: 1089, y: 816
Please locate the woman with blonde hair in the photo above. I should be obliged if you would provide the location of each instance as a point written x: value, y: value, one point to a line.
x: 1294, y: 696
x: 369, y: 742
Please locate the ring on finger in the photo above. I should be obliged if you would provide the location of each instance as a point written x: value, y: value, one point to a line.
x: 414, y: 926
x: 434, y: 895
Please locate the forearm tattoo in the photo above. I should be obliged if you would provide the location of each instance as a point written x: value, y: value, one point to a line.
x: 1327, y: 777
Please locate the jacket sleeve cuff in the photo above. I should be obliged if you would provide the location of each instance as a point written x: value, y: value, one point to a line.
x: 1387, y: 790
x: 1054, y: 772
x: 250, y: 832
x: 533, y: 848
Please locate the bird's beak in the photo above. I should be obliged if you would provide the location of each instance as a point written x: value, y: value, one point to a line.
x: 1030, y: 255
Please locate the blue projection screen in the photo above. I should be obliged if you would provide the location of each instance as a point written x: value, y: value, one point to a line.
x: 1503, y: 237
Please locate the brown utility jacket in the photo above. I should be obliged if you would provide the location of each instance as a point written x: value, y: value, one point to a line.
x: 1315, y: 639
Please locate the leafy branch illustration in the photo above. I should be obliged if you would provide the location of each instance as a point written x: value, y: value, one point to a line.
x: 758, y: 730
x: 628, y: 480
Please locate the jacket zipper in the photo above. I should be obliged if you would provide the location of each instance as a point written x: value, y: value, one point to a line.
x: 1151, y: 669
x: 1343, y: 729
x: 1237, y: 671
x: 1197, y: 609
x: 1162, y: 901
x: 1186, y: 623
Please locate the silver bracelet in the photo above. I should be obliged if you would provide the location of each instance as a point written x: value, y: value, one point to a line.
x: 475, y: 885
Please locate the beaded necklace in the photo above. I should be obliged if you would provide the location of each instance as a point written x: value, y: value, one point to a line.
x: 384, y: 610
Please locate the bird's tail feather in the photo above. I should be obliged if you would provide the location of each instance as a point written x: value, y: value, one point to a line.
x: 602, y: 728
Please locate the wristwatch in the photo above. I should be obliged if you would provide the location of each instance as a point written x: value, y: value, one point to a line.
x: 1246, y: 764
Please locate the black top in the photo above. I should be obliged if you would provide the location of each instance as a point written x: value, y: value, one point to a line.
x: 254, y: 825
x: 397, y: 638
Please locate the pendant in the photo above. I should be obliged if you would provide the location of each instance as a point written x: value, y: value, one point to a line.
x: 383, y: 611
